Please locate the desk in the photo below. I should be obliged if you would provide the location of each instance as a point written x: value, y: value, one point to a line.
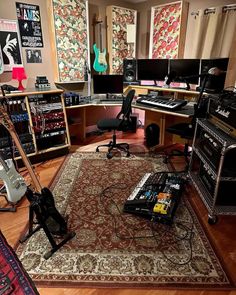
x: 190, y: 95
x: 80, y: 117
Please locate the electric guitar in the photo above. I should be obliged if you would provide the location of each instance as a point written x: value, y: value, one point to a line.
x: 100, y: 63
x: 42, y: 204
x: 13, y: 181
x: 1, y: 61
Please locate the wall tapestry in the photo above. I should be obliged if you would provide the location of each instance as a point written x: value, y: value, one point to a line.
x: 72, y: 42
x: 117, y: 20
x: 29, y: 22
x: 165, y: 30
x: 9, y: 44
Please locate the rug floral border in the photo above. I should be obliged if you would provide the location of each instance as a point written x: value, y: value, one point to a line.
x: 138, y: 281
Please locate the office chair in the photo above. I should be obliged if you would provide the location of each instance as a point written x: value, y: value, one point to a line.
x: 186, y: 130
x: 120, y: 123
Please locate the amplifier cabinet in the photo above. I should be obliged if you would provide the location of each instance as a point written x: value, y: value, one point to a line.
x: 212, y: 169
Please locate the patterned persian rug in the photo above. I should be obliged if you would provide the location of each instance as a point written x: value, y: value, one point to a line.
x: 13, y: 278
x: 115, y: 249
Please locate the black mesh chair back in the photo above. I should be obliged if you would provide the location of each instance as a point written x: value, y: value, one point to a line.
x: 126, y: 109
x: 121, y: 123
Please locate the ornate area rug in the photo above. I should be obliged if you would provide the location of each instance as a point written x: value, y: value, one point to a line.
x: 13, y: 277
x: 115, y: 249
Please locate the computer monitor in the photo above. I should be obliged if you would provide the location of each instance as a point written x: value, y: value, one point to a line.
x: 152, y: 69
x: 108, y: 84
x: 185, y: 70
x: 214, y: 83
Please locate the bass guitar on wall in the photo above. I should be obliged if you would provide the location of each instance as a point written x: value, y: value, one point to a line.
x: 100, y: 63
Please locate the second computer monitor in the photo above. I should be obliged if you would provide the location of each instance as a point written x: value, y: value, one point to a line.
x: 214, y: 83
x: 152, y: 69
x: 105, y: 84
x: 185, y: 70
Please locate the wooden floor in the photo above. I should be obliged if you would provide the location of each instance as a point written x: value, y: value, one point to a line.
x: 222, y: 233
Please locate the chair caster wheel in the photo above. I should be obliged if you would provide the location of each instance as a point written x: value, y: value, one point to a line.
x: 165, y: 161
x: 128, y: 154
x: 109, y: 156
x: 212, y: 219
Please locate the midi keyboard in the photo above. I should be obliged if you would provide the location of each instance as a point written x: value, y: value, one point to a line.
x: 161, y: 101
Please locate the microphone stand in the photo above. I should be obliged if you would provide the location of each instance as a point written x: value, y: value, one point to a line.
x: 202, y: 90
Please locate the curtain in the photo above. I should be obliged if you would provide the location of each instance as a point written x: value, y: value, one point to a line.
x: 214, y: 32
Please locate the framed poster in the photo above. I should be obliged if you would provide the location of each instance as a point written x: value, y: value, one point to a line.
x: 168, y: 28
x: 29, y: 21
x: 9, y: 43
x: 33, y: 56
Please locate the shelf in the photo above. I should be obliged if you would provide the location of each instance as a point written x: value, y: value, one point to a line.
x: 208, y: 199
x: 53, y: 149
x: 212, y: 169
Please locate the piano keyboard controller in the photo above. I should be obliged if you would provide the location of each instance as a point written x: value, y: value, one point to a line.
x: 166, y: 102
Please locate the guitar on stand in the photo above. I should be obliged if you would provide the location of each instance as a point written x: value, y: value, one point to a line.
x: 100, y: 63
x: 14, y: 184
x: 42, y: 205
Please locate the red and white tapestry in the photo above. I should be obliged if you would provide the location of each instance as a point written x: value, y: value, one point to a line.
x: 121, y: 17
x: 71, y: 32
x: 165, y: 30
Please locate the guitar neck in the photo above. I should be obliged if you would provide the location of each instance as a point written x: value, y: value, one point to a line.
x: 100, y: 35
x: 6, y: 168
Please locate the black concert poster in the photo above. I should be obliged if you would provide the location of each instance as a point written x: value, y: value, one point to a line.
x: 29, y: 22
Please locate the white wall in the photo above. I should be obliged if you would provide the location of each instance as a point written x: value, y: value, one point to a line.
x: 194, y: 6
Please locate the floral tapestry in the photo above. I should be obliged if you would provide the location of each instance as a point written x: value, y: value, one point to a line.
x: 71, y: 32
x: 121, y: 17
x: 165, y: 30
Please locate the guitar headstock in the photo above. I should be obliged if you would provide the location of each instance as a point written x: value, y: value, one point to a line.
x: 4, y: 117
x: 97, y: 20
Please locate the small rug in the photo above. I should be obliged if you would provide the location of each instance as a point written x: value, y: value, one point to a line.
x: 116, y: 249
x: 13, y: 277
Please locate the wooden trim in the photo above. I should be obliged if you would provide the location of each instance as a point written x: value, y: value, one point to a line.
x: 52, y: 36
x: 183, y: 28
x: 109, y: 36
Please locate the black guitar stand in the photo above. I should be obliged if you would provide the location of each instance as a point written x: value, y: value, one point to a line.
x: 48, y: 218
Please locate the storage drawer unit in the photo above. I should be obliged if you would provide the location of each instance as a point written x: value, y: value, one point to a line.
x: 212, y: 169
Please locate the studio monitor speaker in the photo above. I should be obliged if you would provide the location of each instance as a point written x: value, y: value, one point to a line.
x: 129, y: 70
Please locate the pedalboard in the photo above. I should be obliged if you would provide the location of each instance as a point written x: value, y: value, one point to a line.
x: 156, y: 197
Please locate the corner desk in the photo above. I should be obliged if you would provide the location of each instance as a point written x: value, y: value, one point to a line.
x: 82, y: 116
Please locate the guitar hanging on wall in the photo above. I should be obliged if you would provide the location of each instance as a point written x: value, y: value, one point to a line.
x: 100, y: 63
